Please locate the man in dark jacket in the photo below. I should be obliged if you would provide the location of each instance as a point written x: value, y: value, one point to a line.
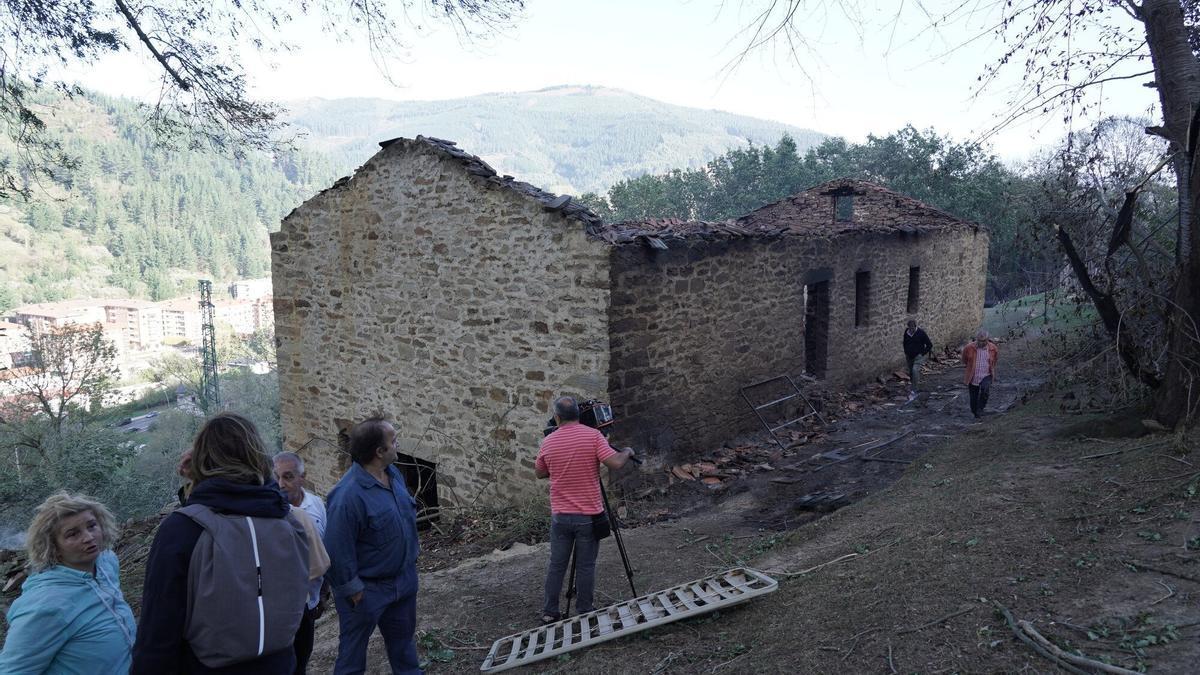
x: 371, y: 537
x: 917, y: 347
x: 232, y: 476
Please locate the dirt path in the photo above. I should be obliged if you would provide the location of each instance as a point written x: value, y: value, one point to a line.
x: 934, y: 535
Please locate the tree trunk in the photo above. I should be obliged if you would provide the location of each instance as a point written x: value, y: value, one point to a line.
x: 1177, y: 76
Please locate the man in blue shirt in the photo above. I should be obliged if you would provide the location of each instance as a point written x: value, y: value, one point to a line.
x: 371, y: 537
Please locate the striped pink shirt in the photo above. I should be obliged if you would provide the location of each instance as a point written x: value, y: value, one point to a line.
x: 572, y: 456
x: 983, y: 366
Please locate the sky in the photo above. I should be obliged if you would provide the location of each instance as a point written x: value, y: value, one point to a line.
x: 862, y: 74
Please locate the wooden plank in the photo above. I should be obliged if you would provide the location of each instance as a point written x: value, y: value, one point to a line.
x: 533, y: 643
x: 627, y: 618
x: 702, y: 594
x: 605, y: 622
x: 668, y: 604
x: 648, y: 610
x: 686, y: 597
x: 516, y: 649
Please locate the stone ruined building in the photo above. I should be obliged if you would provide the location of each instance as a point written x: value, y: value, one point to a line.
x: 461, y: 303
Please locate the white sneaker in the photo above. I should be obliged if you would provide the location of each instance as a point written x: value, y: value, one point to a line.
x: 912, y: 395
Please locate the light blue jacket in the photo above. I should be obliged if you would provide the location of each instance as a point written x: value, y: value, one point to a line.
x: 68, y: 622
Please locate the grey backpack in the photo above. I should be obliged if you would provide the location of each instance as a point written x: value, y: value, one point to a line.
x: 247, y: 586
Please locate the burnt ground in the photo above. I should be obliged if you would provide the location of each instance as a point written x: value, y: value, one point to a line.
x: 1088, y: 534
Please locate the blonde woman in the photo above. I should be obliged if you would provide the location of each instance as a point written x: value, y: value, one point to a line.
x: 71, y: 617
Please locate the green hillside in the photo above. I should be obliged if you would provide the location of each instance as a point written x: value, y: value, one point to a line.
x: 566, y: 139
x: 135, y: 218
x: 142, y: 220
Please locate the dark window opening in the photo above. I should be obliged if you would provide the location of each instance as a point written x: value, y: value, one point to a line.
x: 343, y: 445
x: 862, y: 298
x: 816, y: 328
x: 843, y: 208
x: 914, y: 289
x: 421, y: 478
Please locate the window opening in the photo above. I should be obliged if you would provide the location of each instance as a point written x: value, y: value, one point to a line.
x: 862, y: 298
x: 843, y: 208
x: 914, y: 289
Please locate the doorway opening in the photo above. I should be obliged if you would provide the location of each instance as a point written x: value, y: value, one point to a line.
x: 421, y: 478
x: 816, y: 328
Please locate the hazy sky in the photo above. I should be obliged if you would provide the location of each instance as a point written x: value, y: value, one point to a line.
x: 677, y: 51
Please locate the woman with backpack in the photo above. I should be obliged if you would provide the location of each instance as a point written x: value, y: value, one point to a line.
x: 227, y: 576
x: 71, y: 616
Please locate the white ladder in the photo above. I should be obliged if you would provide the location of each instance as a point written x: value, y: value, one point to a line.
x: 624, y: 618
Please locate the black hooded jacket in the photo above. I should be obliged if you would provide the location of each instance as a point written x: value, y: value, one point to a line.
x: 160, y: 647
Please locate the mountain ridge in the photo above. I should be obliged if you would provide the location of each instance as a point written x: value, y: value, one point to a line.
x: 565, y: 138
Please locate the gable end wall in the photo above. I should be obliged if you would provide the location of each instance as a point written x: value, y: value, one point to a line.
x: 458, y: 309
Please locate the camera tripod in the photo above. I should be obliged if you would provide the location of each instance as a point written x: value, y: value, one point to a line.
x: 614, y: 523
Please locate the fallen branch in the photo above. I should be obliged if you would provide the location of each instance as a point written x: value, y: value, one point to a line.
x: 1103, y: 454
x: 784, y: 573
x: 1029, y: 630
x: 1177, y: 575
x: 1170, y: 593
x: 935, y: 622
x: 885, y: 459
x: 854, y: 641
x: 891, y: 664
x: 1012, y: 624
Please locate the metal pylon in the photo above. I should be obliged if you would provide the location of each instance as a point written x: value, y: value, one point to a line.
x: 210, y: 389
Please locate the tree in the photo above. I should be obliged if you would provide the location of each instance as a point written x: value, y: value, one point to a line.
x: 72, y: 373
x: 197, y: 48
x: 1056, y: 41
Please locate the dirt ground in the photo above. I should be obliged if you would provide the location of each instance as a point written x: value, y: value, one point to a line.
x: 1064, y: 520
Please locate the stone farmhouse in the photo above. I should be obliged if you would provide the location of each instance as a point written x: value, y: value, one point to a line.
x: 460, y: 303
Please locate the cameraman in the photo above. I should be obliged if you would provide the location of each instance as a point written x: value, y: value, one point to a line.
x: 571, y: 458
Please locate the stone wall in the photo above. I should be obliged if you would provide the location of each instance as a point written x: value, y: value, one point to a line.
x: 691, y: 325
x: 454, y: 306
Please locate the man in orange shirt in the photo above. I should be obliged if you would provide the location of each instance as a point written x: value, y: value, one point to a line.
x: 979, y: 357
x: 571, y: 457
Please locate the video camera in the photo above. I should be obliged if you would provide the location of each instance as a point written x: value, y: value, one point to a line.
x: 593, y: 413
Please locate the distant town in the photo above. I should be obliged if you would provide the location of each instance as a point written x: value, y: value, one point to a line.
x: 141, y: 330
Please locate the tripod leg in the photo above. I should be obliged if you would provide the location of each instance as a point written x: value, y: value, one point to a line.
x: 570, y: 583
x: 616, y: 532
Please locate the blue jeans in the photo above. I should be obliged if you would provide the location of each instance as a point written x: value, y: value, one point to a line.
x: 396, y: 616
x: 569, y: 530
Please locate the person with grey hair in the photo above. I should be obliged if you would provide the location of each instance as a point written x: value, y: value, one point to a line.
x: 980, y: 356
x: 289, y: 473
x: 71, y: 616
x: 570, y: 457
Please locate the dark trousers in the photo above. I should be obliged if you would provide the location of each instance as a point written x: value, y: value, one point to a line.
x: 569, y: 530
x: 979, y: 395
x: 303, y: 643
x: 396, y: 617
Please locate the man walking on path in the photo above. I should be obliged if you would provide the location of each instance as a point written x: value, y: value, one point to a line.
x: 372, y: 542
x: 917, y: 347
x: 979, y: 357
x: 571, y: 457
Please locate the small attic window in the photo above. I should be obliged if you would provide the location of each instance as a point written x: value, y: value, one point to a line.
x: 843, y: 208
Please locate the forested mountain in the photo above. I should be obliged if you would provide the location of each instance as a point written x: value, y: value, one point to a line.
x: 139, y: 219
x: 566, y: 139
